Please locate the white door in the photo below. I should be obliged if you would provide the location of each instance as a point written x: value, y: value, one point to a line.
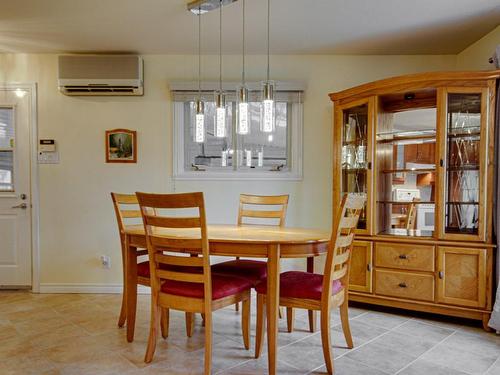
x: 15, y: 191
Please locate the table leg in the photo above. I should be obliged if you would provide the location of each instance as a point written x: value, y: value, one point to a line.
x: 272, y: 304
x: 131, y: 289
x: 313, y: 317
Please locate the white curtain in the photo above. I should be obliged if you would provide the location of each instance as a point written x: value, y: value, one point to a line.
x: 495, y: 316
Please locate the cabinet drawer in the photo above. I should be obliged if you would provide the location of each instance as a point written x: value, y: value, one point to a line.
x: 404, y: 284
x: 405, y: 256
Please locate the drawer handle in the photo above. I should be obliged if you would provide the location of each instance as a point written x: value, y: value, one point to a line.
x: 403, y: 256
x: 402, y: 285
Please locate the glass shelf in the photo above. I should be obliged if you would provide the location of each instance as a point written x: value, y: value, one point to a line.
x: 405, y: 202
x: 460, y: 168
x: 413, y: 170
x: 407, y: 232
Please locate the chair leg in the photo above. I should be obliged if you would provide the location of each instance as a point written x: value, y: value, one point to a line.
x: 164, y: 322
x: 326, y: 339
x: 312, y: 320
x: 131, y: 293
x: 153, y: 329
x: 203, y: 319
x: 259, y: 330
x: 346, y: 328
x: 245, y: 322
x: 208, y: 343
x: 237, y: 306
x: 290, y: 318
x: 190, y: 324
x: 280, y: 313
x: 123, y: 310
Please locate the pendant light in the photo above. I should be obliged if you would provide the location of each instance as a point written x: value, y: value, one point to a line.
x: 267, y: 108
x: 220, y: 96
x: 199, y: 133
x: 242, y: 121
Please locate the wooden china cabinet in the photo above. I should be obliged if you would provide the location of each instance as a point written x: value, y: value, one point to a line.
x: 421, y: 148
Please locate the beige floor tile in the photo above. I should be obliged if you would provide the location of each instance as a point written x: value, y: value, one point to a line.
x: 346, y: 366
x: 495, y: 368
x: 380, y: 319
x: 459, y: 359
x: 381, y: 357
x: 421, y: 367
x: 411, y: 345
x: 362, y: 330
x: 259, y: 367
x: 425, y: 331
x: 99, y: 364
x: 78, y: 334
x: 487, y: 344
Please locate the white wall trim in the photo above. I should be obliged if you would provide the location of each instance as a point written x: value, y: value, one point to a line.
x: 88, y: 288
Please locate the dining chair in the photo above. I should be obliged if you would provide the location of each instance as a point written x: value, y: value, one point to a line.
x: 321, y: 292
x: 185, y: 290
x: 251, y: 212
x: 127, y: 213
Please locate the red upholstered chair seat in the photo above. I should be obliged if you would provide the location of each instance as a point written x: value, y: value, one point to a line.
x: 252, y: 270
x: 143, y: 269
x: 296, y: 284
x: 222, y: 286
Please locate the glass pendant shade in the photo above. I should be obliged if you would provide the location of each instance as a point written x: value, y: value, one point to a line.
x: 243, y: 118
x: 267, y: 109
x: 248, y: 157
x: 199, y: 126
x: 220, y: 115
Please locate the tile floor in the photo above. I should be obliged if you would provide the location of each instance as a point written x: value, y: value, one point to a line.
x: 77, y: 334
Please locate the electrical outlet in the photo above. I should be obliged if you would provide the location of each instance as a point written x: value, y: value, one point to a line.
x: 106, y: 261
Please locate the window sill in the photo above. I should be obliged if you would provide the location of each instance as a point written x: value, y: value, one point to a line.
x: 238, y: 176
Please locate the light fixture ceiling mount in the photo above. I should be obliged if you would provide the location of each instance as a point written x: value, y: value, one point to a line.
x: 204, y: 6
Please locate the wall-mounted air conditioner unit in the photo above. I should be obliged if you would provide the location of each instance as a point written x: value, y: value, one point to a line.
x: 101, y: 75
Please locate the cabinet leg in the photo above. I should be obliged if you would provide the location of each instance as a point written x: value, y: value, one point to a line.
x: 486, y: 319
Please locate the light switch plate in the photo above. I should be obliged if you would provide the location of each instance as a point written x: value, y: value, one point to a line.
x: 48, y: 157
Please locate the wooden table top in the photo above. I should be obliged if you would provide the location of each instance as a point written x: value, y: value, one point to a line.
x: 260, y: 234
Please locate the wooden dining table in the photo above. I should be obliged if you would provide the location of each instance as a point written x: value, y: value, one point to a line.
x: 270, y: 242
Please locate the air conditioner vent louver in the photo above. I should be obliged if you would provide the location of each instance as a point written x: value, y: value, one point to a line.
x: 100, y: 75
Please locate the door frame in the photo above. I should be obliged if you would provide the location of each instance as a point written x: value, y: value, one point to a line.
x: 31, y: 89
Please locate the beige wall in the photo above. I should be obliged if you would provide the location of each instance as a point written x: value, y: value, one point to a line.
x: 76, y: 218
x: 476, y: 56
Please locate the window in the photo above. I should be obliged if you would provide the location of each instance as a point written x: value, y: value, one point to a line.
x: 275, y: 155
x: 6, y: 149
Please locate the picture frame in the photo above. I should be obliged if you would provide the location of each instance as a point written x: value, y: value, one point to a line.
x: 121, y: 146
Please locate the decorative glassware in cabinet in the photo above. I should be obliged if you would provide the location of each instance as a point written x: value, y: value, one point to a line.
x: 463, y: 144
x: 354, y: 154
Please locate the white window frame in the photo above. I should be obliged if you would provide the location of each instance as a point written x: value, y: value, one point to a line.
x: 292, y: 174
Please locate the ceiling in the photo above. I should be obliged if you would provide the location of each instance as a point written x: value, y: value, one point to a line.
x: 297, y: 26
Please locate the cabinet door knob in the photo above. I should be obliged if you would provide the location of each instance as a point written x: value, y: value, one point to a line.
x: 369, y: 267
x: 402, y: 285
x: 403, y: 256
x: 440, y: 274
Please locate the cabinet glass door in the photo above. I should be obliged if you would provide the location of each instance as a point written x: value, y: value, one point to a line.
x: 464, y: 163
x: 356, y: 156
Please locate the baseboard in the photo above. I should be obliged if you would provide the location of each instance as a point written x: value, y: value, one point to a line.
x: 89, y: 288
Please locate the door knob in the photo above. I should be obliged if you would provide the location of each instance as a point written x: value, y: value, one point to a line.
x: 22, y: 205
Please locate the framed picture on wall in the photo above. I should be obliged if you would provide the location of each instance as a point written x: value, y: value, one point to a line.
x: 121, y: 146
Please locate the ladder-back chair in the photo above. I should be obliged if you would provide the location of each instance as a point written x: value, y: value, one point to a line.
x: 321, y: 292
x: 184, y: 289
x: 253, y: 210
